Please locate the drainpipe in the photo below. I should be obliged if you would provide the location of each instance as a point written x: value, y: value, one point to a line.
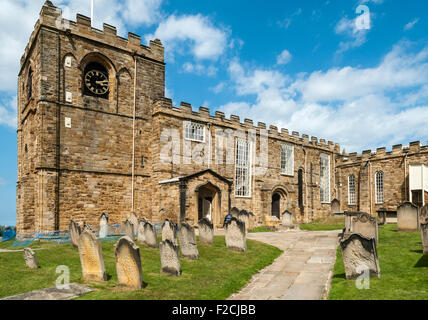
x: 406, y: 194
x: 133, y: 134
x: 370, y: 186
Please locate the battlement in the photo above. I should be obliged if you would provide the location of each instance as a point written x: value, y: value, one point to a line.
x: 203, y: 115
x: 51, y: 16
x: 381, y: 153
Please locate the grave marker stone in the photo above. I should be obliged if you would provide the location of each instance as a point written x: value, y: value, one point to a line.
x: 128, y: 263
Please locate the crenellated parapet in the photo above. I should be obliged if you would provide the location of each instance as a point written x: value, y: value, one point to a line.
x: 219, y: 119
x: 382, y: 153
x: 51, y: 17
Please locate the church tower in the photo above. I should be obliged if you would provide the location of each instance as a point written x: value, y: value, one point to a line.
x: 85, y: 100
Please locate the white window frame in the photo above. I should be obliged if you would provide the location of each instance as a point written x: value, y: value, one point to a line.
x: 287, y: 159
x: 379, y: 187
x: 191, y: 131
x: 242, y: 164
x: 352, y: 194
x: 325, y: 191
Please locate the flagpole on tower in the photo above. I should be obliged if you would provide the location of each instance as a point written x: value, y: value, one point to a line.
x: 92, y: 12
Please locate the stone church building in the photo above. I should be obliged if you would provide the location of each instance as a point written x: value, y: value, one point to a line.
x: 96, y: 134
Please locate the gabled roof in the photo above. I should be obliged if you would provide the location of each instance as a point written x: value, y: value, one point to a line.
x: 195, y: 175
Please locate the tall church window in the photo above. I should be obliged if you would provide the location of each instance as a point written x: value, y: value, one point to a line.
x: 243, y: 168
x: 325, y: 178
x: 379, y: 187
x: 194, y: 131
x: 287, y: 159
x: 30, y: 84
x: 351, y: 190
x: 300, y: 182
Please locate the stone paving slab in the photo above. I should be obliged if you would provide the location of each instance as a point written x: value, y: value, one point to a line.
x: 74, y: 291
x: 302, y: 272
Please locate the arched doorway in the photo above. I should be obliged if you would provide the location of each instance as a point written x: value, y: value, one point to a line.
x: 208, y: 197
x: 276, y: 205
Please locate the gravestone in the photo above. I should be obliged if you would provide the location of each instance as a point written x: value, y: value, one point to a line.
x: 30, y: 259
x: 287, y: 219
x: 272, y: 221
x: 169, y: 231
x: 234, y: 212
x: 348, y: 220
x: 206, y: 231
x: 128, y: 229
x: 359, y: 256
x: 91, y: 257
x: 248, y: 218
x: 424, y: 231
x: 408, y: 217
x: 187, y: 237
x: 170, y: 258
x: 104, y: 226
x: 236, y: 236
x: 75, y: 231
x: 335, y: 207
x: 366, y: 225
x: 128, y: 263
x: 140, y: 231
x: 134, y: 220
x: 423, y: 219
x: 150, y: 236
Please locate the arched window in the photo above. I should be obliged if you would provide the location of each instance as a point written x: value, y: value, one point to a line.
x: 379, y: 187
x: 96, y: 80
x: 30, y: 84
x: 351, y: 190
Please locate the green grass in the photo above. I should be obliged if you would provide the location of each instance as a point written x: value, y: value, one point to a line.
x: 404, y: 270
x: 260, y: 229
x: 219, y: 272
x: 325, y: 224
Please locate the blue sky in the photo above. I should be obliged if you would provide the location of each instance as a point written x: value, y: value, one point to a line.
x: 300, y: 65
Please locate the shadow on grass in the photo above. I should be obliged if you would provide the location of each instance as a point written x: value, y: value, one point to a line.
x: 340, y: 276
x: 423, y: 262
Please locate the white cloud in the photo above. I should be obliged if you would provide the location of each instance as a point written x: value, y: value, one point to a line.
x: 8, y: 112
x: 218, y: 88
x: 348, y: 28
x: 191, y: 32
x: 200, y: 69
x: 284, y: 57
x: 360, y: 108
x: 411, y: 24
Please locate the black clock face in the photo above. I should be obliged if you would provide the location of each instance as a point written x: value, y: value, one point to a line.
x: 97, y: 82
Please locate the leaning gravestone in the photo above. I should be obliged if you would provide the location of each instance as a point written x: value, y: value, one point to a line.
x: 75, y: 231
x: 150, y: 236
x: 408, y: 217
x: 170, y: 258
x: 129, y: 229
x: 366, y: 225
x: 359, y: 255
x: 169, y: 231
x: 30, y: 259
x: 234, y: 212
x: 287, y: 219
x: 104, y: 226
x: 140, y: 232
x: 247, y: 218
x: 187, y: 237
x: 206, y: 231
x: 424, y: 231
x: 91, y: 257
x: 236, y: 236
x: 128, y: 263
x: 134, y: 220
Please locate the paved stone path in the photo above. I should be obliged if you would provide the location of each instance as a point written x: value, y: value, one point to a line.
x: 302, y: 272
x: 74, y: 291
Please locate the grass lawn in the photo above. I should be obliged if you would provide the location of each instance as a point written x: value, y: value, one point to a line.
x: 260, y: 229
x: 219, y: 272
x: 404, y: 270
x: 325, y: 224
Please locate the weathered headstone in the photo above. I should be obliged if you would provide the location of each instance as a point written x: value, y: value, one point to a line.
x: 424, y: 215
x: 91, y: 257
x: 408, y: 217
x: 187, y: 237
x: 236, y: 235
x: 287, y: 219
x: 140, y: 232
x: 366, y: 225
x: 348, y: 220
x: 248, y: 218
x: 30, y: 259
x: 359, y: 256
x: 206, y: 231
x: 104, y: 226
x: 235, y: 212
x: 128, y: 229
x: 134, y: 220
x: 272, y: 221
x: 150, y: 236
x: 170, y: 258
x: 128, y: 263
x: 169, y: 231
x: 75, y: 231
x: 424, y: 231
x: 335, y: 206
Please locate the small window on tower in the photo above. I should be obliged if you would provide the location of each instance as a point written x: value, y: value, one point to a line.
x: 30, y: 84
